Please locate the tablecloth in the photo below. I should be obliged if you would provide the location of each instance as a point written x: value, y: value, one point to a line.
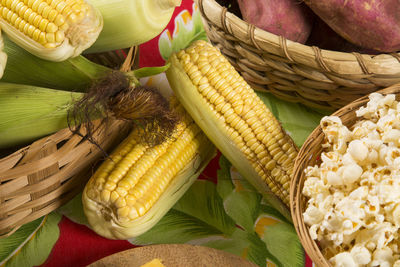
x: 256, y: 232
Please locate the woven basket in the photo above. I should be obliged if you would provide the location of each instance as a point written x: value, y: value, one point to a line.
x: 308, y: 156
x: 293, y: 71
x: 41, y: 177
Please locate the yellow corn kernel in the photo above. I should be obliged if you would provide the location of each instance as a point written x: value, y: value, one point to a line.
x: 114, y: 195
x: 105, y: 195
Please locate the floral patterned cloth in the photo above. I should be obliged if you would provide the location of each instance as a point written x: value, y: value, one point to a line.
x: 221, y: 210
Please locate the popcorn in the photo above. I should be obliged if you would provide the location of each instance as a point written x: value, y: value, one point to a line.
x: 353, y: 206
x: 335, y: 133
x: 360, y: 193
x: 343, y: 259
x: 382, y: 257
x: 314, y: 186
x: 361, y: 255
x: 395, y: 216
x: 313, y: 215
x: 351, y: 173
x: 358, y: 150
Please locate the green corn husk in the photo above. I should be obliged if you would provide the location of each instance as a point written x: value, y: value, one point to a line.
x: 29, y: 112
x: 131, y: 22
x: 35, y: 94
x: 74, y: 74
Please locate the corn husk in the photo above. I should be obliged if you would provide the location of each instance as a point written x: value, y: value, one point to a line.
x: 29, y: 112
x: 131, y: 22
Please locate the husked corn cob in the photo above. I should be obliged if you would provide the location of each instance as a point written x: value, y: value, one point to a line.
x: 138, y: 184
x: 234, y: 118
x: 51, y: 29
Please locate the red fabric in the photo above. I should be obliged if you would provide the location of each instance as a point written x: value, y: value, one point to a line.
x: 148, y: 49
x: 148, y: 52
x: 80, y: 246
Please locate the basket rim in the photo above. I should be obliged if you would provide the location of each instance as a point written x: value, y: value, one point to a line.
x: 337, y: 62
x: 297, y: 181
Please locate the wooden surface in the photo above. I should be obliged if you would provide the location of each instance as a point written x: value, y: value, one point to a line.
x: 173, y: 255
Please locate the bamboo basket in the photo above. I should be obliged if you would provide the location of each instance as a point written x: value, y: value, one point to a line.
x: 43, y: 176
x: 292, y: 71
x: 308, y: 156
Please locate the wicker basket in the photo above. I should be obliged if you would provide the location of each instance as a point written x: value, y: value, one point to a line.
x: 293, y: 71
x: 308, y: 156
x: 41, y: 177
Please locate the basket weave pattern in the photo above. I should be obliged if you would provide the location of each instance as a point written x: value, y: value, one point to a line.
x: 293, y: 71
x: 41, y: 177
x: 308, y: 156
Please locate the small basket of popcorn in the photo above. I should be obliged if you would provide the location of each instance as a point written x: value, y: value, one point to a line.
x: 345, y: 191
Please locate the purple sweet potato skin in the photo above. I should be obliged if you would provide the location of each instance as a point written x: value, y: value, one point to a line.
x: 288, y: 18
x: 372, y: 24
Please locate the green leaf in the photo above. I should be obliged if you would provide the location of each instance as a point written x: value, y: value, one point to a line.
x: 224, y: 184
x: 198, y: 214
x: 74, y: 210
x: 282, y: 241
x: 244, y: 208
x: 298, y: 120
x: 198, y: 22
x: 236, y: 244
x: 269, y: 210
x: 243, y: 204
x: 187, y: 34
x: 149, y: 71
x: 176, y: 227
x: 164, y: 45
x: 241, y: 181
x: 203, y: 202
x: 31, y: 244
x: 258, y: 252
x: 229, y: 179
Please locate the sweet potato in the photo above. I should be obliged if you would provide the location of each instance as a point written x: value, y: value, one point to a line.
x: 324, y: 37
x: 373, y: 24
x: 288, y: 18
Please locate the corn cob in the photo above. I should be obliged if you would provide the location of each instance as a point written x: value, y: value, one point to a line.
x: 138, y: 184
x: 131, y: 22
x: 52, y: 29
x: 235, y: 119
